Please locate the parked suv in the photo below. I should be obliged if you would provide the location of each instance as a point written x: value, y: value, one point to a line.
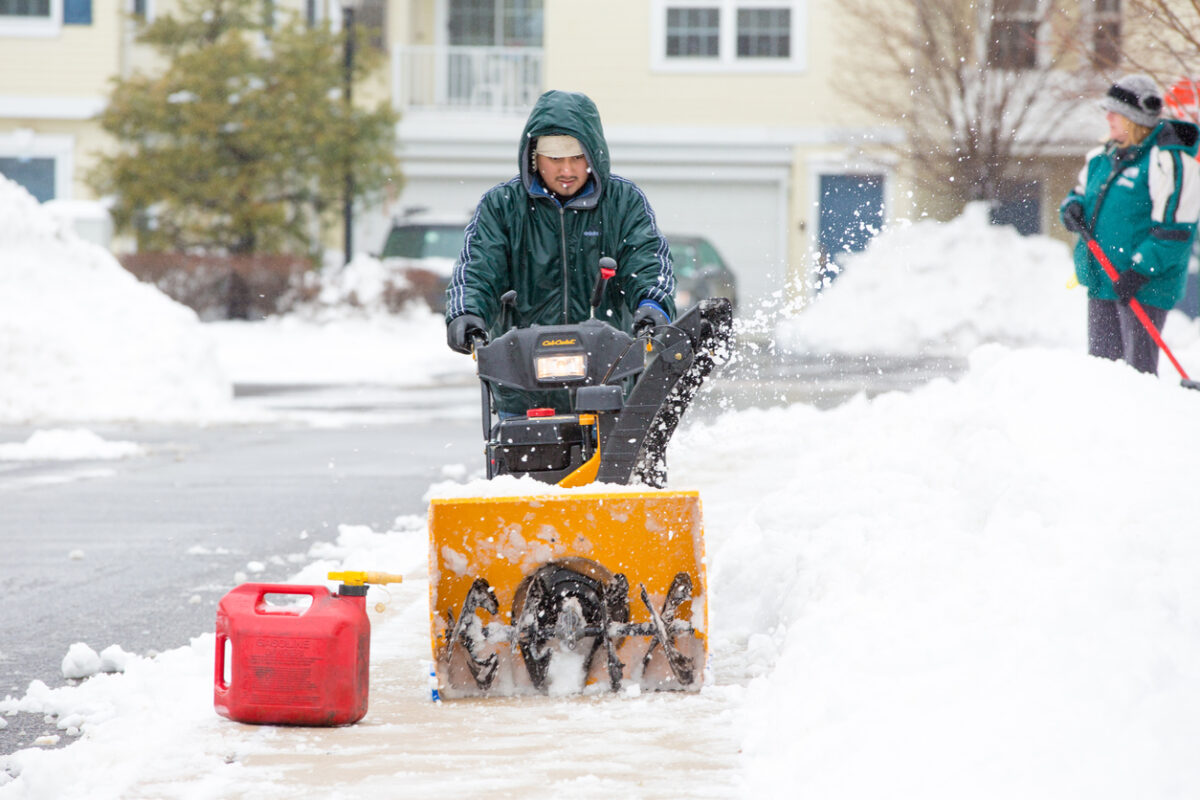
x: 425, y: 250
x: 700, y: 271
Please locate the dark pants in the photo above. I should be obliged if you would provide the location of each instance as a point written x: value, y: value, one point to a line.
x: 1115, y: 333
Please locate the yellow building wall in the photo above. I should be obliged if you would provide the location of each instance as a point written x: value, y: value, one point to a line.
x: 75, y: 63
x: 603, y: 48
x: 419, y: 16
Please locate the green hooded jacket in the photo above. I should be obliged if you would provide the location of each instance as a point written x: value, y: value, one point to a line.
x: 1141, y: 204
x: 521, y: 238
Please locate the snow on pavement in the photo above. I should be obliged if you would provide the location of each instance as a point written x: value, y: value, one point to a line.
x: 67, y: 444
x: 979, y: 588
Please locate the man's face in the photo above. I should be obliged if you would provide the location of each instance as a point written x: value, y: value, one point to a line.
x: 563, y: 176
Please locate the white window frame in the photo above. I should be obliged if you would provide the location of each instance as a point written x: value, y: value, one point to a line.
x: 25, y: 143
x: 727, y: 59
x: 150, y: 16
x: 1040, y: 18
x: 321, y: 12
x: 33, y: 27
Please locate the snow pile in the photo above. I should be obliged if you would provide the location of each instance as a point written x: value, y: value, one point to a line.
x: 439, y: 266
x: 367, y: 322
x: 158, y: 725
x: 979, y: 589
x: 370, y: 286
x: 81, y: 661
x: 61, y: 444
x: 363, y: 283
x: 405, y: 349
x: 81, y: 338
x: 944, y: 289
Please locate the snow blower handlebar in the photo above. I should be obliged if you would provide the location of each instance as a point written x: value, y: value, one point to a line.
x: 1097, y: 252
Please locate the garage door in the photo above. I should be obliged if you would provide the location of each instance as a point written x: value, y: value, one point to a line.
x: 746, y: 222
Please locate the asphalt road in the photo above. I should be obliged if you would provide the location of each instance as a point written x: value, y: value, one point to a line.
x: 138, y: 552
x: 760, y: 377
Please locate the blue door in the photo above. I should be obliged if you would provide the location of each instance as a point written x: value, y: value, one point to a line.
x: 35, y: 174
x: 851, y: 212
x: 1020, y: 205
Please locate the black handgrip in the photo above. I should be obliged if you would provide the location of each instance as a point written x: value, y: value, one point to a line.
x: 508, y: 305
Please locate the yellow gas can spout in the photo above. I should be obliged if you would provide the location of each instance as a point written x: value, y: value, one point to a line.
x: 361, y: 578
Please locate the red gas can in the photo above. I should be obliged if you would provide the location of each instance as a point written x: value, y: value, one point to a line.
x: 283, y: 665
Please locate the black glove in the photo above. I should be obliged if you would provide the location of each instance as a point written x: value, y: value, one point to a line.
x: 649, y: 314
x: 460, y: 331
x: 1128, y: 283
x: 1072, y: 217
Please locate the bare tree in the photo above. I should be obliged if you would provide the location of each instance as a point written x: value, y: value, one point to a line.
x: 977, y: 87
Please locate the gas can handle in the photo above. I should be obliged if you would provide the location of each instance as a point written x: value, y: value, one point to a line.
x: 261, y: 590
x: 219, y: 676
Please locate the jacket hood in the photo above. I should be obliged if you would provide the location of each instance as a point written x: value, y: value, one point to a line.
x: 1177, y: 134
x: 573, y: 114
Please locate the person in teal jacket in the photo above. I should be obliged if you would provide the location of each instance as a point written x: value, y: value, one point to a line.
x: 542, y: 234
x: 1139, y: 196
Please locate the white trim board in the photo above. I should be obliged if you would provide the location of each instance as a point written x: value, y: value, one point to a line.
x: 71, y: 108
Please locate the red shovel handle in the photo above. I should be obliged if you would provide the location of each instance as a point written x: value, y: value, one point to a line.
x: 1134, y: 305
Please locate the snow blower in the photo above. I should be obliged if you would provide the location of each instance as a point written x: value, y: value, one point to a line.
x: 599, y: 579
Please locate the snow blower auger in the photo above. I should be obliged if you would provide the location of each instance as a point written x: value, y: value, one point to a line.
x: 552, y: 591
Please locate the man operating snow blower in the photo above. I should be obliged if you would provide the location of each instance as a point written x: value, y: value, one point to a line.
x: 563, y: 293
x: 538, y: 240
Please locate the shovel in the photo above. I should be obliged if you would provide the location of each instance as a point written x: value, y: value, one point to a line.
x: 1137, y: 309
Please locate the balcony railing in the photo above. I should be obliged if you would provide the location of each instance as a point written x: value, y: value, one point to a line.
x: 502, y: 80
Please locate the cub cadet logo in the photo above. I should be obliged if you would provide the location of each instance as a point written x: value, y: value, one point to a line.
x: 557, y: 342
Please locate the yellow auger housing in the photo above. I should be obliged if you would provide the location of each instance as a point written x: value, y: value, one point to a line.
x: 632, y: 563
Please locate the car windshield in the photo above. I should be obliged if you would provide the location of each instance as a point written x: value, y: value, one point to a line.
x: 683, y: 258
x: 689, y: 256
x: 707, y: 255
x: 424, y: 241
